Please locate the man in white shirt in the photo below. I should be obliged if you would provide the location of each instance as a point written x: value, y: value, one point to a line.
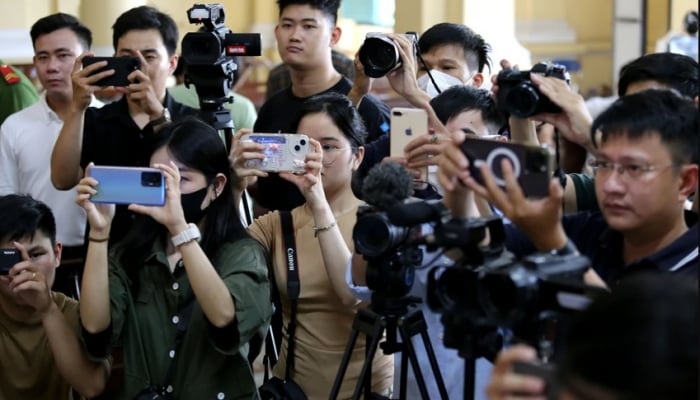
x: 28, y: 136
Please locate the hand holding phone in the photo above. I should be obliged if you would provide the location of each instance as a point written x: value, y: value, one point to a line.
x: 532, y: 165
x: 284, y: 152
x: 128, y: 185
x: 122, y: 66
x: 8, y: 259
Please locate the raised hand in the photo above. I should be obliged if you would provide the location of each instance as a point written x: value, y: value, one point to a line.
x: 84, y: 79
x: 171, y: 214
x: 99, y: 215
x: 243, y: 151
x: 142, y: 92
x: 29, y: 283
x: 309, y: 183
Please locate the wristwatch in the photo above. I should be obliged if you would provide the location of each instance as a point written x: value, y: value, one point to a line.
x: 186, y: 236
x: 165, y: 117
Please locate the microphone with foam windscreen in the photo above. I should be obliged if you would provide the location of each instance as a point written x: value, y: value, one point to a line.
x: 387, y: 185
x: 417, y: 212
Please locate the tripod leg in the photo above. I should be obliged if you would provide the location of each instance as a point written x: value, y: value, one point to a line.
x: 369, y: 358
x: 344, y: 364
x: 404, y: 374
x: 434, y: 365
x: 410, y: 351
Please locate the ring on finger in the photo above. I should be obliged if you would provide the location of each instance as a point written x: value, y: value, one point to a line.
x: 33, y: 275
x: 433, y: 138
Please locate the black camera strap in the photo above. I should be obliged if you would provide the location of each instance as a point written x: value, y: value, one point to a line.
x: 293, y: 286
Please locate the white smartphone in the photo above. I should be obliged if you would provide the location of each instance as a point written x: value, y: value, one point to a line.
x: 406, y: 124
x: 284, y: 152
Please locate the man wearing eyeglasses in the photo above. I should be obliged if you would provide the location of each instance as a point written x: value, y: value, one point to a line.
x: 646, y: 165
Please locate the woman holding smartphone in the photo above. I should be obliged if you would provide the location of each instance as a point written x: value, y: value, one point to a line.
x: 323, y: 235
x: 186, y: 288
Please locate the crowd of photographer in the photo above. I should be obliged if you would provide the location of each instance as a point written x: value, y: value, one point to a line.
x: 470, y: 226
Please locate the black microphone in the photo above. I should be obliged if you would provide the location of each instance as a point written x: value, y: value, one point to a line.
x: 417, y: 212
x: 387, y: 185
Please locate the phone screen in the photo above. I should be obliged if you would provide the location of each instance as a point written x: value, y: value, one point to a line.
x: 8, y: 259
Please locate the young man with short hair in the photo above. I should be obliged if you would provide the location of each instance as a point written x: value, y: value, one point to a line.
x: 305, y: 34
x: 28, y: 136
x: 42, y: 357
x: 122, y: 133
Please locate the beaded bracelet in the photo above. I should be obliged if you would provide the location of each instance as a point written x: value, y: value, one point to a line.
x: 318, y: 229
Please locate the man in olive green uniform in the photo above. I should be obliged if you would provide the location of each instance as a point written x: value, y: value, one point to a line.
x: 16, y: 91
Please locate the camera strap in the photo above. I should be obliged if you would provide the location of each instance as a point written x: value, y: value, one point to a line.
x: 293, y: 286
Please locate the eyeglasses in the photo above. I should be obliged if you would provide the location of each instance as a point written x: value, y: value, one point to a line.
x: 330, y: 153
x: 632, y: 171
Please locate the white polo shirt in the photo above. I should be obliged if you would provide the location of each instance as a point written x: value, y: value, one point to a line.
x: 27, y: 138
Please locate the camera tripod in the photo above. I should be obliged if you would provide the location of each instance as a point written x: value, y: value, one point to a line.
x: 390, y: 315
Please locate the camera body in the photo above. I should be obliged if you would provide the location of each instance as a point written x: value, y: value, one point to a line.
x: 380, y: 55
x: 517, y: 95
x: 208, y: 53
x: 284, y: 152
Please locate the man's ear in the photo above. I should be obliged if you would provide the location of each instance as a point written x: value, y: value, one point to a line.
x: 336, y: 32
x: 478, y: 79
x: 689, y: 181
x: 57, y: 250
x: 172, y: 63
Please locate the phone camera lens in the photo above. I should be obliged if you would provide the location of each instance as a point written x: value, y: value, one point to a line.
x: 297, y: 147
x: 151, y: 179
x: 303, y: 142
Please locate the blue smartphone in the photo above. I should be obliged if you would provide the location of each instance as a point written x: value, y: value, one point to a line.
x: 128, y: 185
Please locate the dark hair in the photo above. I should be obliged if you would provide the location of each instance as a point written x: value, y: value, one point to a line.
x: 328, y: 7
x: 690, y: 22
x: 144, y: 18
x: 653, y: 112
x: 457, y: 99
x: 676, y: 71
x: 638, y: 342
x: 58, y: 21
x: 341, y: 111
x: 21, y: 216
x: 198, y: 146
x: 476, y: 50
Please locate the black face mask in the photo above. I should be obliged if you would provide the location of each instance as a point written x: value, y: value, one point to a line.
x: 192, y: 205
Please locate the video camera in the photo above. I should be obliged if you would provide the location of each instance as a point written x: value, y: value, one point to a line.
x: 517, y: 94
x: 208, y: 53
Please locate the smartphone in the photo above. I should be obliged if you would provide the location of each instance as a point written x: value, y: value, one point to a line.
x: 128, y: 185
x: 284, y: 152
x: 8, y: 259
x: 122, y: 67
x: 532, y: 165
x: 406, y: 124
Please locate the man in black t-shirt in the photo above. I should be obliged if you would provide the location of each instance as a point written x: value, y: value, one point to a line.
x: 122, y: 133
x: 305, y: 34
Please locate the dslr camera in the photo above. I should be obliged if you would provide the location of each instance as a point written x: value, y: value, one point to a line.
x: 380, y: 55
x: 517, y: 95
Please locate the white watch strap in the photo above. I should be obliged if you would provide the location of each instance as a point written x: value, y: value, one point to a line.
x: 188, y: 235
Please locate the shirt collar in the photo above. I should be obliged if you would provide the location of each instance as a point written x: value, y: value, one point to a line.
x: 676, y: 254
x: 47, y: 111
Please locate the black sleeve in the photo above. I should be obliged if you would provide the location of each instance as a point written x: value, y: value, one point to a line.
x: 87, y: 152
x: 375, y: 115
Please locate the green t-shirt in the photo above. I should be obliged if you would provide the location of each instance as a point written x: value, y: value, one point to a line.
x: 211, y: 362
x: 16, y: 96
x: 243, y: 113
x: 584, y: 185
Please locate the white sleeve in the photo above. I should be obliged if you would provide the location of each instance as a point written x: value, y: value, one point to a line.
x: 8, y: 165
x: 360, y: 292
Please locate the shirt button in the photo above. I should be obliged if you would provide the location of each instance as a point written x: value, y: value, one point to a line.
x: 176, y: 286
x: 176, y: 319
x: 171, y: 354
x: 169, y: 389
x: 220, y: 396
